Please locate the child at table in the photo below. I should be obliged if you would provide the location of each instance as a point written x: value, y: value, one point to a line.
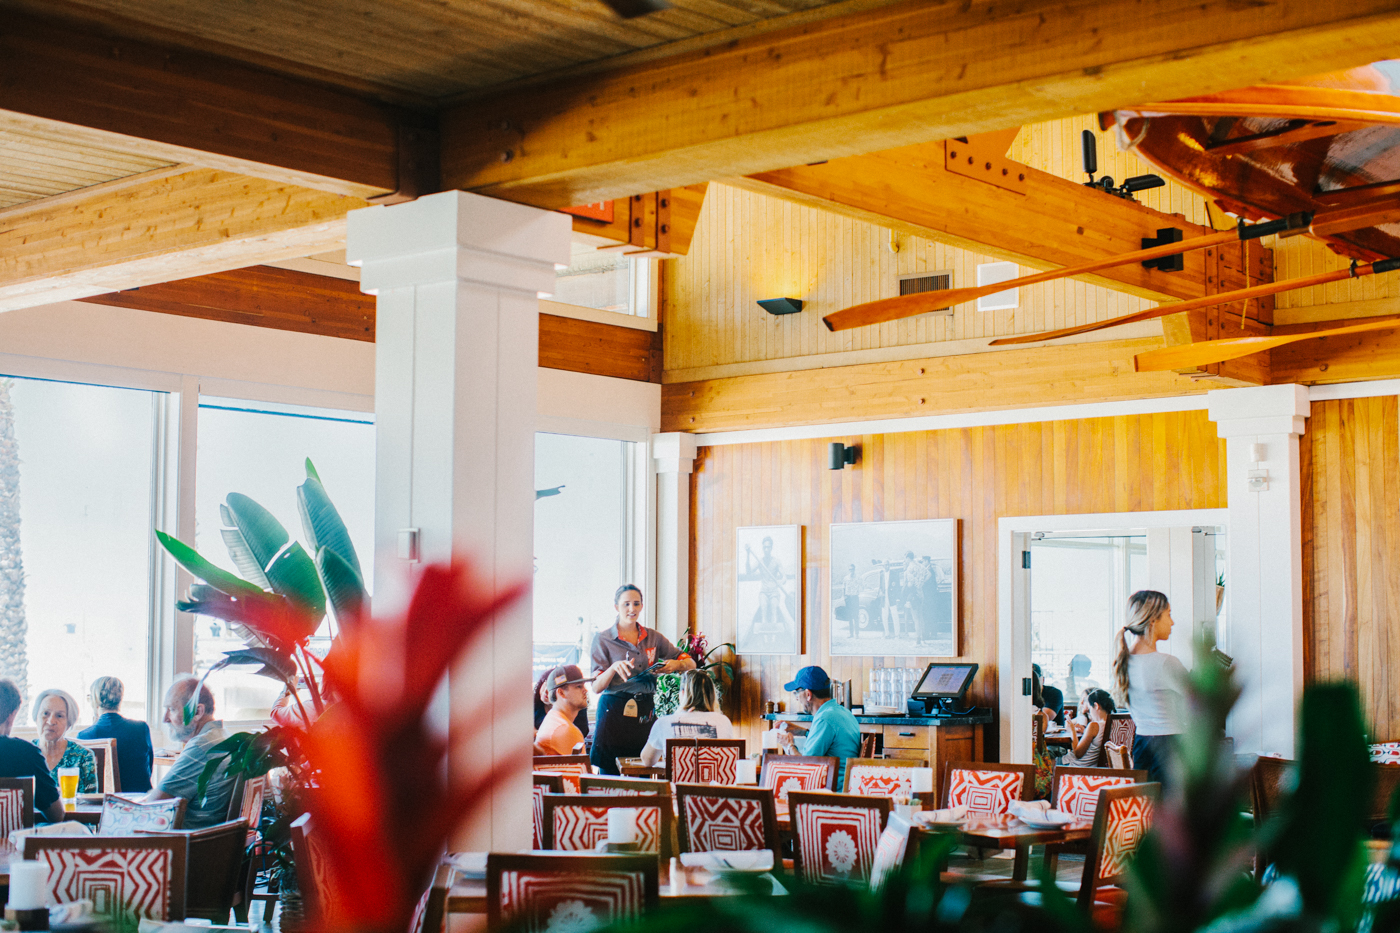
x: 1089, y: 748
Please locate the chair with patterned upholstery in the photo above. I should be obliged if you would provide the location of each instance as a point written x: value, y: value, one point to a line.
x: 431, y: 913
x: 1269, y: 781
x: 312, y: 867
x: 578, y: 822
x: 703, y: 761
x: 728, y: 819
x: 213, y: 859
x: 1121, y: 818
x: 870, y: 743
x: 985, y: 788
x: 16, y: 805
x: 1076, y: 791
x: 1385, y: 778
x: 545, y: 783
x: 109, y: 780
x: 1385, y: 753
x: 1116, y: 756
x: 548, y: 891
x: 249, y: 808
x: 624, y: 786
x: 132, y: 877
x: 882, y: 777
x: 837, y: 835
x: 122, y: 817
x: 890, y: 851
x: 571, y: 766
x: 783, y: 773
x: 1122, y: 730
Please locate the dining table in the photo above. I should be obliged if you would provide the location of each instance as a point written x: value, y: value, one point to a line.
x: 1010, y: 832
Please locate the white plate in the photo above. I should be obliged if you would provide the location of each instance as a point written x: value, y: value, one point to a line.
x: 1051, y: 820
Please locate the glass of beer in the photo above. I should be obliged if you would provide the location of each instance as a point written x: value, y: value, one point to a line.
x: 68, y: 787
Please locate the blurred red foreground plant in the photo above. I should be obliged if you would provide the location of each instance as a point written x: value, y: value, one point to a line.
x: 385, y: 806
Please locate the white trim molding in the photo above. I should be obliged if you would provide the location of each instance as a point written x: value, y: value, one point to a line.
x: 674, y: 455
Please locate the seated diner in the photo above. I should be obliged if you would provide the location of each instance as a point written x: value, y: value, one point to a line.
x: 135, y: 754
x: 55, y: 713
x: 20, y: 759
x: 199, y: 735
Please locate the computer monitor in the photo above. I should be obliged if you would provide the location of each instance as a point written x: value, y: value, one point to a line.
x: 944, y: 681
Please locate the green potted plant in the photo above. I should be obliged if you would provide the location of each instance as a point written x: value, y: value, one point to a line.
x: 668, y: 686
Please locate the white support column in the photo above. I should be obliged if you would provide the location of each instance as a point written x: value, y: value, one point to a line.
x: 457, y: 345
x: 1264, y: 570
x: 675, y: 459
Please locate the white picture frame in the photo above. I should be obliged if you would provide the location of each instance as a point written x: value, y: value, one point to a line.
x: 902, y: 607
x: 768, y: 589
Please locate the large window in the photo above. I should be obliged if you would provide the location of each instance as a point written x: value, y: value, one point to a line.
x: 260, y: 450
x: 606, y: 281
x: 581, y: 542
x: 77, y: 479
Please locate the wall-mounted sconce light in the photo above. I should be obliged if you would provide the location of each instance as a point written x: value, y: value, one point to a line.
x: 780, y: 305
x: 842, y: 455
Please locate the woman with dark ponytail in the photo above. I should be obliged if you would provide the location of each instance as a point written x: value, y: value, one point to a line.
x: 1150, y: 682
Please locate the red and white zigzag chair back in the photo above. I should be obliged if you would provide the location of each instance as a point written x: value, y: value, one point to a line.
x: 580, y: 829
x: 1079, y: 793
x: 722, y: 824
x: 570, y: 772
x: 571, y: 897
x: 1128, y: 820
x: 876, y: 781
x: 984, y: 793
x: 889, y: 851
x: 784, y: 776
x: 705, y: 764
x: 130, y: 877
x: 122, y: 817
x: 837, y: 844
x: 537, y: 836
x: 11, y: 810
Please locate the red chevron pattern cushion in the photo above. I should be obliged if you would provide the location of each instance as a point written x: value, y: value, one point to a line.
x: 984, y: 793
x: 582, y: 828
x: 11, y: 811
x: 1079, y: 793
x: 541, y: 902
x: 537, y: 836
x: 784, y: 776
x: 703, y: 764
x: 1129, y: 819
x: 876, y: 781
x: 837, y: 843
x: 571, y: 773
x: 723, y: 824
x: 129, y: 882
x: 123, y: 818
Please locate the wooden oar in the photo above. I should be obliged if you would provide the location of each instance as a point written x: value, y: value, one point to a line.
x: 1242, y: 294
x: 1195, y: 355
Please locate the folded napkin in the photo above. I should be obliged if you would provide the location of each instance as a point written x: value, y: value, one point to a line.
x: 755, y: 860
x: 66, y: 828
x: 71, y: 912
x: 470, y: 865
x: 950, y: 815
x: 1035, y: 809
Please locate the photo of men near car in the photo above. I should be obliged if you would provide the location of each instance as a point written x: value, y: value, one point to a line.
x: 894, y: 588
x: 768, y: 593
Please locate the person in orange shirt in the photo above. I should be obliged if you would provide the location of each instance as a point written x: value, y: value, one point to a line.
x: 557, y: 734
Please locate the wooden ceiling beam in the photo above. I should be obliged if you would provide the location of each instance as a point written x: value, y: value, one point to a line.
x: 908, y: 73
x: 166, y: 227
x: 201, y: 109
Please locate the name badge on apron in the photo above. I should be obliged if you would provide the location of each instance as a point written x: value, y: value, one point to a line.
x: 630, y: 709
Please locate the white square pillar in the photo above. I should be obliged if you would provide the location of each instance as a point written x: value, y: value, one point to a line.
x: 1264, y: 570
x: 456, y: 350
x: 675, y: 459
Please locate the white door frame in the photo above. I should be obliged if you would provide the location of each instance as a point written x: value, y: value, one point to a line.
x: 1013, y: 629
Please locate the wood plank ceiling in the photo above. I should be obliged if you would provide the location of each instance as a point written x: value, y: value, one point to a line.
x: 37, y: 164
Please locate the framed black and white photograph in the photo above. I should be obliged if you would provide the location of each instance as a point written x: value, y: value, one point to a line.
x: 768, y: 590
x: 894, y: 588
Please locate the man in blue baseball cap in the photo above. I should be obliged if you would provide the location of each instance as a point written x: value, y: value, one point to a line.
x: 834, y: 731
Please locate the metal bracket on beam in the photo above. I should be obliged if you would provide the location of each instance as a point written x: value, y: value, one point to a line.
x: 976, y: 159
x: 1164, y: 236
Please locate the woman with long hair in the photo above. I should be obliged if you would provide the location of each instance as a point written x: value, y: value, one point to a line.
x: 699, y: 717
x: 1150, y: 682
x: 626, y: 657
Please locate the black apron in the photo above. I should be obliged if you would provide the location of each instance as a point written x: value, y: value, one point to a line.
x: 616, y: 735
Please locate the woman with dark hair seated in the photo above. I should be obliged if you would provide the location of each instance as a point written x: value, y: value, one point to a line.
x: 19, y: 758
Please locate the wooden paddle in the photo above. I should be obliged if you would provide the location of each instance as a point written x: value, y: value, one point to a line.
x: 1242, y: 294
x: 1195, y: 355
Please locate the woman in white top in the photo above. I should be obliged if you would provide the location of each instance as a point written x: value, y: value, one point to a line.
x: 1089, y: 749
x: 698, y: 718
x: 1150, y: 682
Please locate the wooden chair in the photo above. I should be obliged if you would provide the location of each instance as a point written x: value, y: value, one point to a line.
x: 1117, y: 756
x: 579, y: 822
x: 728, y: 819
x: 431, y: 912
x: 783, y: 773
x: 545, y: 783
x: 985, y: 788
x: 530, y: 892
x: 1386, y: 780
x: 699, y: 761
x: 249, y: 809
x: 1269, y: 780
x: 1122, y: 730
x: 882, y: 777
x: 624, y: 786
x: 870, y: 743
x: 837, y: 835
x: 309, y: 854
x: 571, y: 766
x: 16, y: 805
x: 639, y: 770
x: 126, y: 876
x: 1121, y: 818
x: 1076, y: 791
x: 122, y: 817
x: 213, y: 861
x: 108, y: 774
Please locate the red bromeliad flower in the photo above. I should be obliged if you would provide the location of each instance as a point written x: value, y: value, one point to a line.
x: 384, y: 806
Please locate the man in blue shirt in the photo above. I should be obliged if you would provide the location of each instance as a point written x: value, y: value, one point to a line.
x: 834, y: 731
x: 134, y: 753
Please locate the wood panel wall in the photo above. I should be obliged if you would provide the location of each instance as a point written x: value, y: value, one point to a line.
x: 978, y: 475
x: 1351, y: 552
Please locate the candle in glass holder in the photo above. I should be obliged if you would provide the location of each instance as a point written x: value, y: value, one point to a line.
x: 622, y: 826
x: 28, y: 880
x: 922, y: 779
x: 770, y: 738
x: 746, y: 771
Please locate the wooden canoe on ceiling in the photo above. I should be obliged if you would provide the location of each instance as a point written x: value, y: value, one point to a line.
x: 1317, y: 145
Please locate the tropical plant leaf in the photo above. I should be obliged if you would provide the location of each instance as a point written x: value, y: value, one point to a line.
x: 322, y: 523
x: 266, y: 615
x: 292, y: 574
x: 345, y: 591
x: 252, y: 535
x: 202, y: 569
x: 275, y: 664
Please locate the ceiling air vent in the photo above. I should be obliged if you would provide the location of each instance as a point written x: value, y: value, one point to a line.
x: 918, y: 282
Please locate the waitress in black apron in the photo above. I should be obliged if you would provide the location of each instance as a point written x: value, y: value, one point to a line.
x: 623, y: 657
